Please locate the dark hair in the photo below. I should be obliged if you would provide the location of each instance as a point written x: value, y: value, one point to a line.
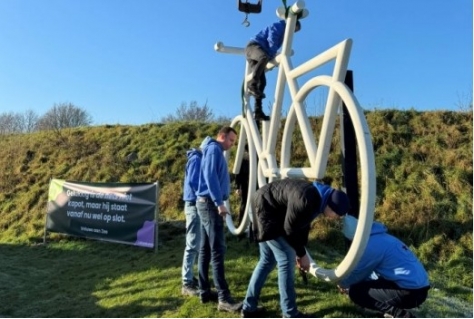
x: 226, y: 130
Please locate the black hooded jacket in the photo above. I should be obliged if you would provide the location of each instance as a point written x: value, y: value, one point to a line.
x: 286, y: 208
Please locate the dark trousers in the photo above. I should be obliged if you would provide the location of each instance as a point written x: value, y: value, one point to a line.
x: 385, y: 296
x: 257, y: 59
x: 212, y: 251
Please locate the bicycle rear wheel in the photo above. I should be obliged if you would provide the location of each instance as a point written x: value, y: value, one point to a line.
x: 241, y: 124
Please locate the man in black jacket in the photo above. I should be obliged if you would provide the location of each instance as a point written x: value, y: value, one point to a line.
x: 284, y: 211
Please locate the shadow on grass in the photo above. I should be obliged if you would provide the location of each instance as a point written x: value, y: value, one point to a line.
x: 74, y: 277
x: 84, y: 278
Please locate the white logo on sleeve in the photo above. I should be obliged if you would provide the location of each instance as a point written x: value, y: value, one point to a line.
x: 401, y: 271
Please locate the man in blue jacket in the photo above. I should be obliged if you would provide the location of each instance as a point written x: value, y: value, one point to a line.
x: 193, y: 224
x: 213, y: 190
x: 261, y: 49
x: 388, y: 278
x: 284, y: 211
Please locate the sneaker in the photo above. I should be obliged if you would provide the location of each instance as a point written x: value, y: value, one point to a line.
x: 258, y: 313
x: 260, y: 116
x: 189, y: 290
x: 210, y: 296
x: 229, y: 305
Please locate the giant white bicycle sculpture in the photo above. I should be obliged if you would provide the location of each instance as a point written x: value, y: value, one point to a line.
x: 263, y: 145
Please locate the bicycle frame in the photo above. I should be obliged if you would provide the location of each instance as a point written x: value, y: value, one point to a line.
x: 263, y: 145
x: 265, y: 148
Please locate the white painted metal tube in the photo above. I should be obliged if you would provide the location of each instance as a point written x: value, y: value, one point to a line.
x: 220, y: 47
x: 367, y: 179
x: 262, y: 144
x: 244, y: 132
x: 321, y: 59
x: 297, y: 7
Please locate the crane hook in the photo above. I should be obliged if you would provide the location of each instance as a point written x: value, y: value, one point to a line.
x: 246, y: 22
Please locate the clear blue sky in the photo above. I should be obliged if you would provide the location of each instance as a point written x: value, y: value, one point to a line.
x: 136, y: 61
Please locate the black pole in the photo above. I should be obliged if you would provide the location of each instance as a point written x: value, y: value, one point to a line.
x: 349, y: 154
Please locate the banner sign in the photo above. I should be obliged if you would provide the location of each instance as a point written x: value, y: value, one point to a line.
x: 115, y: 212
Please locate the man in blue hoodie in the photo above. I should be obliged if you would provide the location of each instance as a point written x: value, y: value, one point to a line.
x: 190, y: 285
x: 284, y: 211
x: 213, y: 190
x: 261, y: 49
x: 389, y: 278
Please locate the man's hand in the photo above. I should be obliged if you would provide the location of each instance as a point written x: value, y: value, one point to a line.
x: 343, y: 291
x: 303, y: 263
x: 222, y: 210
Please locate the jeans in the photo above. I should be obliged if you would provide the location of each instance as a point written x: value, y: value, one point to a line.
x: 385, y: 296
x: 193, y: 241
x: 273, y: 252
x: 212, y: 251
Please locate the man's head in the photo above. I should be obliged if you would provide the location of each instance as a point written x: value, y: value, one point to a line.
x: 338, y: 205
x: 227, y: 137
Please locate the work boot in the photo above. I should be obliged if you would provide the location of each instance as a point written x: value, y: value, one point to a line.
x: 258, y: 114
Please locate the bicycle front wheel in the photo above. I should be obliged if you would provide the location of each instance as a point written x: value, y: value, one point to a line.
x: 318, y: 157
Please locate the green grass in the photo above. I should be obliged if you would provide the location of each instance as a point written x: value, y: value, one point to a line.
x: 71, y: 277
x: 424, y: 181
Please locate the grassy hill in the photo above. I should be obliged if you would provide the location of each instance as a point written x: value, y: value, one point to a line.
x: 424, y: 185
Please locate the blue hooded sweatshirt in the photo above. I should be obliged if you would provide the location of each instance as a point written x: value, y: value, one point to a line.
x: 270, y: 39
x: 191, y: 175
x: 387, y: 256
x: 214, y: 180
